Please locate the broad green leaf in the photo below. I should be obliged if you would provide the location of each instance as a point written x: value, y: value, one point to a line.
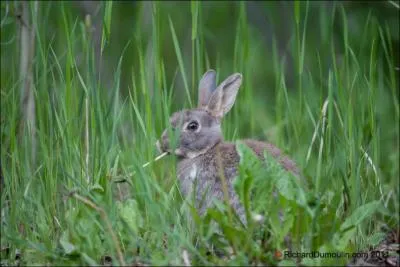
x: 376, y: 238
x: 247, y: 156
x: 66, y: 245
x: 287, y: 224
x: 233, y: 233
x: 129, y: 212
x: 360, y: 214
x: 289, y: 188
x: 341, y: 240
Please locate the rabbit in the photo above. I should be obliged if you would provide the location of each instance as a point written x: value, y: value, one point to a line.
x: 202, y: 154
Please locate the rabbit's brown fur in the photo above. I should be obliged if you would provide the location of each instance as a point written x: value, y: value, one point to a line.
x: 202, y: 153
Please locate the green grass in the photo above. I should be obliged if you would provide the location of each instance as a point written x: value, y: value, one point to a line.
x: 338, y: 119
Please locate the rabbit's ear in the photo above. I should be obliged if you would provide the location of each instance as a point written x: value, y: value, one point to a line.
x: 222, y: 100
x: 207, y: 86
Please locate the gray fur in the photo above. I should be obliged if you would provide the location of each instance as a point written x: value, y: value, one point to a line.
x: 202, y: 154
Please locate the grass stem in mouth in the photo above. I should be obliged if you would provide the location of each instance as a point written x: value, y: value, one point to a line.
x: 116, y: 180
x: 156, y: 159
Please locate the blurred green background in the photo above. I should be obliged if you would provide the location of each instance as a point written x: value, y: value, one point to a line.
x: 320, y: 81
x: 269, y: 23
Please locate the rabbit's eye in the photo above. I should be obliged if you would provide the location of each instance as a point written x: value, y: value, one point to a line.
x: 192, y: 126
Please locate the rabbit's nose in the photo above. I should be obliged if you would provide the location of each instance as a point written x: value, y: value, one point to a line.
x: 162, y: 143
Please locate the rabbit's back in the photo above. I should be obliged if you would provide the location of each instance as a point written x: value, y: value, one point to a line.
x: 259, y: 147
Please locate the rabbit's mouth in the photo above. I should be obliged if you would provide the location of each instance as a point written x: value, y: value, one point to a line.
x: 162, y: 148
x: 181, y: 153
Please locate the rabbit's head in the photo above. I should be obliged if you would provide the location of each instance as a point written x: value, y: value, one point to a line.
x: 197, y: 130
